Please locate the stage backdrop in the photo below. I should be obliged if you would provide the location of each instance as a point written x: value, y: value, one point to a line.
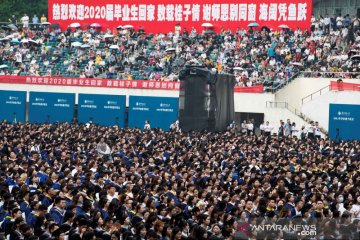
x: 51, y: 107
x: 106, y: 110
x: 162, y: 15
x: 344, y: 121
x: 13, y: 106
x: 160, y: 111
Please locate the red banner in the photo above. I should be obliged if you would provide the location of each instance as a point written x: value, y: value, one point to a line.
x: 162, y: 16
x: 91, y: 82
x: 252, y: 89
x: 342, y: 86
x: 107, y: 83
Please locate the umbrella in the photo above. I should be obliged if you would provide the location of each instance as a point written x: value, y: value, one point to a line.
x: 170, y: 49
x: 33, y: 41
x: 119, y: 27
x: 12, y: 27
x: 114, y: 47
x: 76, y: 44
x: 45, y: 23
x: 85, y: 46
x: 3, y: 66
x: 253, y: 24
x: 108, y: 36
x: 296, y: 64
x: 4, y: 39
x: 74, y: 25
x: 238, y: 68
x: 207, y: 25
x: 283, y: 26
x: 355, y: 57
x: 15, y: 41
x: 24, y: 41
x: 95, y: 25
x: 128, y: 26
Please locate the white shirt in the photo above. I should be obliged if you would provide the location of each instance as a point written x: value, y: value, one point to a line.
x: 268, y: 128
x: 147, y: 126
x: 250, y: 126
x: 355, y: 208
x: 339, y: 21
x: 327, y: 21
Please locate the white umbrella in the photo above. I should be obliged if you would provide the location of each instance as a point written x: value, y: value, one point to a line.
x: 283, y: 26
x: 3, y: 66
x: 95, y: 25
x: 238, y: 68
x: 76, y: 44
x: 75, y: 25
x: 24, y: 41
x: 114, y: 47
x: 108, y: 36
x: 45, y: 23
x: 296, y: 64
x: 253, y: 24
x: 170, y: 49
x: 85, y: 46
x: 128, y: 26
x: 33, y: 41
x: 207, y: 25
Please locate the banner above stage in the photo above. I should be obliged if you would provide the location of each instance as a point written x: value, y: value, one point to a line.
x: 163, y: 15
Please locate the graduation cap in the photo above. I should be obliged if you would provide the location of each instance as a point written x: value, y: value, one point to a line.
x: 136, y: 219
x: 57, y: 232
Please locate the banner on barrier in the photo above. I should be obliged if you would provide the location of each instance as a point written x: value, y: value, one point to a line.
x: 160, y: 111
x: 162, y: 16
x: 108, y: 83
x: 343, y: 86
x: 252, y: 89
x: 13, y: 106
x: 90, y: 82
x: 47, y: 107
x: 344, y: 122
x: 105, y: 110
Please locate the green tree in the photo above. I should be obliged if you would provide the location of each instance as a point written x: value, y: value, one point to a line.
x: 20, y: 7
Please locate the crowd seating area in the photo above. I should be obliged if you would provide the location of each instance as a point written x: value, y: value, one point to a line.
x: 255, y: 56
x: 68, y: 181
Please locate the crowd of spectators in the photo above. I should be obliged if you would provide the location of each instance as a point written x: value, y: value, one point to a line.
x: 69, y: 181
x: 255, y: 55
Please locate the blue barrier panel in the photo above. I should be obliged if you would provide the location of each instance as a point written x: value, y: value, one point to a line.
x: 160, y: 111
x: 12, y: 106
x: 102, y: 109
x: 47, y: 107
x: 344, y: 122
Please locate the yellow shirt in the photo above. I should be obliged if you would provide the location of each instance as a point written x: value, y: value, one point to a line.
x: 43, y: 19
x: 98, y: 60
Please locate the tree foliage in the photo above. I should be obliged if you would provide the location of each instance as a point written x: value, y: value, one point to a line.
x: 20, y: 7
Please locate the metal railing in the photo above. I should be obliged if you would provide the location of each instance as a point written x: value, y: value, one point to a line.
x: 316, y: 93
x: 287, y: 81
x: 314, y: 74
x: 317, y: 74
